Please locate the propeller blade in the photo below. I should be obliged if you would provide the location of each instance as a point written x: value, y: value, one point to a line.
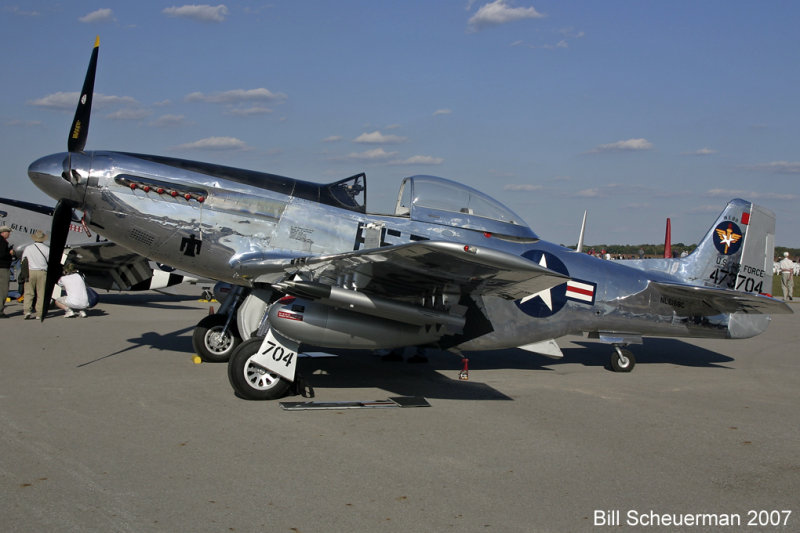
x: 62, y: 217
x: 80, y: 124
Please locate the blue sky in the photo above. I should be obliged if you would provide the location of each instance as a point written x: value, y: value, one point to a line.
x: 636, y: 111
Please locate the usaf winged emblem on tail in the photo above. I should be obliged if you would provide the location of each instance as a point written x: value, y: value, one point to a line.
x: 728, y: 237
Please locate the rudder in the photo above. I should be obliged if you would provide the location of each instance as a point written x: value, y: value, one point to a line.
x: 737, y: 252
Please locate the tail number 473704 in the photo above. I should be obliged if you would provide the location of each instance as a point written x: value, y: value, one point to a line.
x: 734, y: 280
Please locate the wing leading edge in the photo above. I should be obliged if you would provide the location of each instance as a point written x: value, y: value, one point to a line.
x: 411, y: 270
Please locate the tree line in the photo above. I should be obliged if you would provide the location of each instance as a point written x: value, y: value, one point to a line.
x: 629, y: 251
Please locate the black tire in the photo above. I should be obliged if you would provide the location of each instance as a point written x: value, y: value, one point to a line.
x: 210, y: 344
x: 618, y: 364
x: 250, y: 380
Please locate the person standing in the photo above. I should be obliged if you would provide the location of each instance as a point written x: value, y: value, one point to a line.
x: 786, y: 267
x: 6, y: 257
x: 36, y: 254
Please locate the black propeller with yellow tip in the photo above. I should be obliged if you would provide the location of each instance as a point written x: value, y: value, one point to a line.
x: 62, y: 217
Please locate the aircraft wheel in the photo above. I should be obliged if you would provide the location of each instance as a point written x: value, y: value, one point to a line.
x: 622, y: 360
x: 251, y: 380
x: 211, y: 343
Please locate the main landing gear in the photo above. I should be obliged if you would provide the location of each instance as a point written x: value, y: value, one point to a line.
x: 622, y: 360
x: 251, y: 380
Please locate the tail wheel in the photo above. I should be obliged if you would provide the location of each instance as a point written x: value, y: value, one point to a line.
x: 212, y: 342
x: 622, y: 360
x: 251, y: 380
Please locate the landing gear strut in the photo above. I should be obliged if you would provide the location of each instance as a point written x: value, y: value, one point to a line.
x: 215, y: 337
x: 622, y: 360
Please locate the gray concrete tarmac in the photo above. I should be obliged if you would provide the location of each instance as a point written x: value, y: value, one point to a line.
x: 106, y: 424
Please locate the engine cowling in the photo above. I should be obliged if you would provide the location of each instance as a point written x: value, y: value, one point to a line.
x: 325, y: 326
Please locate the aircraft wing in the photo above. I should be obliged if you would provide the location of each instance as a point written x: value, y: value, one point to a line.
x: 408, y: 271
x: 106, y: 265
x: 688, y: 300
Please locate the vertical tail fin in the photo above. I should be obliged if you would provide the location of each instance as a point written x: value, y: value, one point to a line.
x: 737, y: 252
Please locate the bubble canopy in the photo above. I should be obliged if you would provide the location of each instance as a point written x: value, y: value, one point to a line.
x: 440, y: 201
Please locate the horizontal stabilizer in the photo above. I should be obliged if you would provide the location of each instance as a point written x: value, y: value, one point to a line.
x: 687, y: 300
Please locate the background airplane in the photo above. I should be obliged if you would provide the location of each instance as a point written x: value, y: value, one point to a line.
x: 451, y: 267
x: 105, y: 265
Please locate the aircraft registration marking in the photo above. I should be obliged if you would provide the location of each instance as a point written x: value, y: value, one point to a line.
x: 732, y: 279
x: 673, y: 302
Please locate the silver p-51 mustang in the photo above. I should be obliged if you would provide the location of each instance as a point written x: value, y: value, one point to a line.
x: 450, y: 268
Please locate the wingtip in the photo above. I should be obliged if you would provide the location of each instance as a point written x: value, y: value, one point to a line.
x: 97, y: 41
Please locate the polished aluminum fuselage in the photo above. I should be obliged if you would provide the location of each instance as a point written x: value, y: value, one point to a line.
x: 214, y: 224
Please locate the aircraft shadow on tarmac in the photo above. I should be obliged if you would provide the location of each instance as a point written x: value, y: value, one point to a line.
x: 362, y: 369
x: 357, y: 369
x: 653, y: 351
x: 175, y: 341
x: 149, y: 299
x: 588, y: 353
x: 437, y: 378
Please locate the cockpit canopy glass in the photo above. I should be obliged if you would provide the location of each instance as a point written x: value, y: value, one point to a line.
x: 440, y: 201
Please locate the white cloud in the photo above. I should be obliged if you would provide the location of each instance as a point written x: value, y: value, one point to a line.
x: 560, y: 44
x: 16, y: 123
x: 236, y: 96
x: 701, y: 151
x: 589, y: 193
x: 617, y: 189
x: 727, y: 194
x: 442, y: 112
x: 69, y: 101
x: 129, y: 114
x: 203, y: 12
x: 332, y: 139
x: 15, y: 10
x: 704, y: 209
x: 418, y: 160
x: 103, y: 100
x: 567, y: 35
x: 778, y: 167
x: 637, y: 205
x: 378, y: 154
x: 527, y: 187
x: 500, y: 12
x: 166, y: 121
x: 624, y: 146
x: 377, y: 137
x: 100, y: 15
x: 59, y: 100
x: 214, y: 143
x: 250, y: 111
